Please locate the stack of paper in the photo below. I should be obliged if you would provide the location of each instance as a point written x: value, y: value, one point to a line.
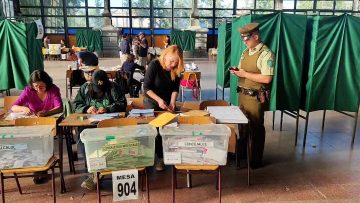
x: 15, y: 115
x: 141, y: 113
x: 227, y: 114
x: 100, y: 117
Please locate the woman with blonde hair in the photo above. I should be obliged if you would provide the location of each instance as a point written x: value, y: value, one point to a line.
x: 161, y: 88
x: 162, y: 80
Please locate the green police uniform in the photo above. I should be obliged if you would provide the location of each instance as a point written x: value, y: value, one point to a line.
x: 258, y: 60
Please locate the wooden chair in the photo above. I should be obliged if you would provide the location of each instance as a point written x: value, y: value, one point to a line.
x: 136, y: 103
x: 190, y: 105
x: 191, y: 169
x: 207, y: 103
x: 194, y: 76
x: 9, y: 101
x: 142, y: 171
x: 68, y: 82
x: 232, y: 139
x: 53, y: 162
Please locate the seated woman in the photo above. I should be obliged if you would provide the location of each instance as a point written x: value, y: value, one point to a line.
x: 129, y: 66
x: 100, y: 95
x: 41, y: 97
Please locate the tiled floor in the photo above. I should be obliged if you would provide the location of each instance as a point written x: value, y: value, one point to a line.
x: 326, y: 170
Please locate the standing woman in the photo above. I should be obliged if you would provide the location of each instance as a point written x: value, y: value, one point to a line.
x: 41, y: 97
x: 162, y: 80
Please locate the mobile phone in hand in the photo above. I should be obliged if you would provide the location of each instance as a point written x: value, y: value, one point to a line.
x: 234, y: 68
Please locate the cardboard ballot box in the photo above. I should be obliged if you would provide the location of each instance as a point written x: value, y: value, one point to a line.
x: 119, y: 148
x: 195, y: 144
x: 25, y: 146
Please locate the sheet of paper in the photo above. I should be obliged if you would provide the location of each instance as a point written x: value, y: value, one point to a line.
x: 172, y: 158
x: 162, y: 119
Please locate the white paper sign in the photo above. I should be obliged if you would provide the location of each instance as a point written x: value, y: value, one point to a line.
x: 40, y: 29
x: 125, y: 185
x: 97, y: 163
x: 196, y: 144
x: 172, y: 158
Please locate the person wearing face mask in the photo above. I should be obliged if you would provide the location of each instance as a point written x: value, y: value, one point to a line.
x: 41, y: 97
x: 255, y: 72
x: 162, y: 80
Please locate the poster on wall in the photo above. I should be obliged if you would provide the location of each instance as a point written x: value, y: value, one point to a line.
x: 40, y: 29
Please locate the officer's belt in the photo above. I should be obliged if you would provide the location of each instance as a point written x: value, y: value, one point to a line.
x: 247, y: 91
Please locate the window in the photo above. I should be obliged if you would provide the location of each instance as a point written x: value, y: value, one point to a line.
x: 53, y: 11
x: 327, y: 4
x: 119, y: 12
x: 182, y: 3
x: 182, y: 12
x: 224, y: 13
x: 140, y: 12
x: 181, y: 23
x: 344, y: 5
x: 304, y: 4
x: 265, y: 4
x: 76, y: 11
x: 206, y: 23
x: 120, y: 22
x: 96, y: 22
x: 140, y: 3
x: 119, y: 3
x: 204, y: 4
x: 30, y: 11
x: 141, y: 22
x: 162, y: 3
x: 54, y: 3
x: 76, y: 21
x: 288, y: 4
x: 205, y: 13
x: 162, y: 22
x: 76, y: 3
x: 245, y: 4
x: 224, y: 4
x: 95, y: 11
x: 29, y: 3
x: 54, y: 22
x: 162, y: 12
x: 54, y: 30
x: 96, y: 3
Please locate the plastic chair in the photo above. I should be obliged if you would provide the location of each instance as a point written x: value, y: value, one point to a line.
x: 191, y: 76
x: 142, y: 171
x: 45, y: 53
x: 9, y: 101
x: 191, y: 169
x: 53, y: 162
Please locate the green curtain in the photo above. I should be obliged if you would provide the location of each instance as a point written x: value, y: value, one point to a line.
x: 184, y: 39
x: 176, y: 37
x: 34, y: 46
x: 14, y: 71
x: 188, y: 40
x: 285, y: 35
x: 91, y: 39
x: 333, y: 80
x: 224, y: 55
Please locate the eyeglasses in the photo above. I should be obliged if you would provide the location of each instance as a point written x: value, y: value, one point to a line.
x: 246, y: 37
